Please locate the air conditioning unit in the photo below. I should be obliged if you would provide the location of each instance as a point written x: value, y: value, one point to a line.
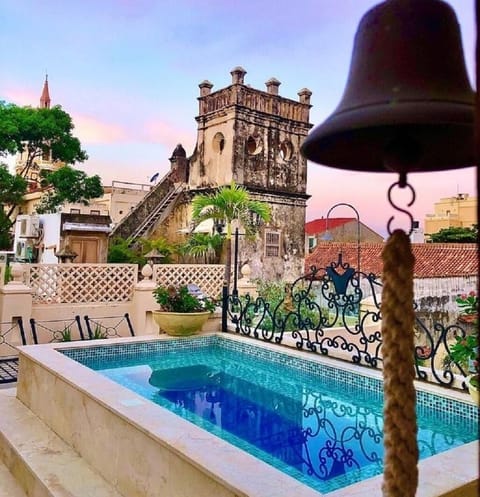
x: 29, y: 226
x: 20, y: 250
x: 6, y: 256
x: 24, y: 251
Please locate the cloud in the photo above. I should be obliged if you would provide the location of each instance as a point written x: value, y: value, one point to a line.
x: 169, y: 135
x: 20, y: 97
x: 91, y: 130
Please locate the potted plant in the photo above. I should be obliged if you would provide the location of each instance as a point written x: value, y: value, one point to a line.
x: 464, y: 352
x: 181, y: 312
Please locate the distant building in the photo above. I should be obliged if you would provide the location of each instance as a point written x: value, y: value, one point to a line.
x: 80, y: 229
x: 452, y: 212
x: 338, y: 229
x: 121, y: 197
x: 417, y: 235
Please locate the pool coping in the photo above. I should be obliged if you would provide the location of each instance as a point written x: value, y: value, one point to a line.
x: 438, y: 475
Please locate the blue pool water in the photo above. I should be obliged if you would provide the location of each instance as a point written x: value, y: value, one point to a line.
x: 316, y: 423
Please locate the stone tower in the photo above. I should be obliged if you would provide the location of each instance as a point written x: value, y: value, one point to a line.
x: 253, y: 137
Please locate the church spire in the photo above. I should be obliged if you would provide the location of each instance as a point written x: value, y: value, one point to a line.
x: 45, y: 98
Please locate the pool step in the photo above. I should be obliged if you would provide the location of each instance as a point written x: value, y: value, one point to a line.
x: 37, y: 462
x: 8, y: 485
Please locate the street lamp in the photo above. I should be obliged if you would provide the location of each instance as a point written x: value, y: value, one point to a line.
x: 154, y: 257
x: 328, y: 236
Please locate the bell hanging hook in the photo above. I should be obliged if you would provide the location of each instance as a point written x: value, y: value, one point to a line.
x: 401, y: 183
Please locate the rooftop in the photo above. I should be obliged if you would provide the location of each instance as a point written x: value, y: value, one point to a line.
x: 432, y: 260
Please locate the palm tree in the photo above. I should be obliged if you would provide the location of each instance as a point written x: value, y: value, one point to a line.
x: 203, y: 246
x: 228, y: 204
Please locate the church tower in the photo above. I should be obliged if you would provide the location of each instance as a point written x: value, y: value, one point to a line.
x: 32, y: 175
x: 253, y: 137
x: 45, y: 98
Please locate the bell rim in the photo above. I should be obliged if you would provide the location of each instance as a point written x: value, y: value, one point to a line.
x: 357, y: 139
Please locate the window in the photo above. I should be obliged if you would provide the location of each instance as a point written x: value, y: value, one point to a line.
x: 74, y: 211
x: 218, y: 143
x: 95, y: 212
x: 286, y: 150
x: 272, y: 244
x: 254, y: 145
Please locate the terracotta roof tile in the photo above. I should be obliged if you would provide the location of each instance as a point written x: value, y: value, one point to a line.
x: 320, y: 225
x: 432, y: 260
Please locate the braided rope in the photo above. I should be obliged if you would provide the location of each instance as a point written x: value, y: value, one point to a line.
x: 400, y: 424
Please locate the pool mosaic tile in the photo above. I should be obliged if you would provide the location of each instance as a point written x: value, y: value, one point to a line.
x: 350, y: 382
x: 369, y: 389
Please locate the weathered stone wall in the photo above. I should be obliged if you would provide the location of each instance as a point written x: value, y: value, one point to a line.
x: 267, y: 154
x: 288, y: 219
x: 435, y: 298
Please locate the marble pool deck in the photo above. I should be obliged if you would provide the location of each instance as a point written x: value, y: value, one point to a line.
x: 63, y: 415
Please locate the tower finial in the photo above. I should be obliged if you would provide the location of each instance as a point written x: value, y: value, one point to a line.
x: 45, y: 98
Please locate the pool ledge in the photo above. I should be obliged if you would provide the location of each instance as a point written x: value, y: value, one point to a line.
x: 145, y: 450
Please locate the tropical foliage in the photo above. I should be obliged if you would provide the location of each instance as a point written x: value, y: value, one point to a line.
x: 179, y: 299
x: 455, y: 235
x: 35, y: 130
x: 467, y: 304
x: 203, y: 247
x: 12, y: 190
x: 68, y: 185
x: 120, y: 251
x: 229, y: 204
x: 128, y: 251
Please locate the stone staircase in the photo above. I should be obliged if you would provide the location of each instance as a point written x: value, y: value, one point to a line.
x: 35, y: 462
x: 153, y: 208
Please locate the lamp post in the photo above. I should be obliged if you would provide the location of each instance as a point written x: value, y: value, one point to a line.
x: 154, y: 257
x: 328, y: 236
x: 235, y: 264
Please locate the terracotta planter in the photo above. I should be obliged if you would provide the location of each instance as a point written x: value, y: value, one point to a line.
x: 179, y: 323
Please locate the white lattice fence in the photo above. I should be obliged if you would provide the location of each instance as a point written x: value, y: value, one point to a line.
x: 80, y: 283
x: 208, y: 277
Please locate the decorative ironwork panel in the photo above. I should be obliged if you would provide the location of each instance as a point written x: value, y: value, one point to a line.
x: 56, y: 330
x: 336, y: 311
x: 109, y: 326
x: 81, y: 283
x: 208, y: 277
x: 320, y: 312
x: 11, y: 336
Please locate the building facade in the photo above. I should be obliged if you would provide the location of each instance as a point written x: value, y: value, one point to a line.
x: 338, y: 229
x: 251, y: 137
x: 452, y: 212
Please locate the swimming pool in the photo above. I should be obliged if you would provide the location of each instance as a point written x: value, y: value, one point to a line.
x: 317, y: 423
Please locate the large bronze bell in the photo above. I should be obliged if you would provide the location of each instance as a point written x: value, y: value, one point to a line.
x: 408, y: 104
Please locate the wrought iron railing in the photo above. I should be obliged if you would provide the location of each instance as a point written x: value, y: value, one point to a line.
x: 335, y: 311
x: 12, y: 334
